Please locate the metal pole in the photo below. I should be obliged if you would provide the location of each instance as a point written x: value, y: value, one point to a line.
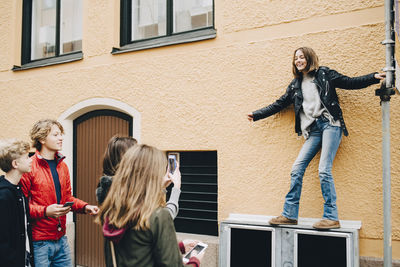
x: 385, y: 103
x: 389, y: 43
x: 387, y: 228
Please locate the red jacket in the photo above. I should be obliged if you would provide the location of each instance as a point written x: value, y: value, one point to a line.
x: 38, y: 187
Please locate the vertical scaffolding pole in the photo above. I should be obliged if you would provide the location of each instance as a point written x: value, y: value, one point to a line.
x: 387, y: 227
x: 385, y: 92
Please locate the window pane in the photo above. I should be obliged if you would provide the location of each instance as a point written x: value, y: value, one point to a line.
x: 192, y: 14
x: 148, y: 18
x: 71, y: 26
x: 43, y: 29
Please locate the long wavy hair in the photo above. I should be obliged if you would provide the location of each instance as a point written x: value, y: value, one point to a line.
x: 137, y: 190
x: 311, y: 58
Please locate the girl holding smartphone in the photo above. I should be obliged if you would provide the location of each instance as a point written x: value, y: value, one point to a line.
x: 134, y: 214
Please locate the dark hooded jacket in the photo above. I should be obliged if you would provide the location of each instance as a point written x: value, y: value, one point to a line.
x: 102, y: 188
x: 326, y: 80
x: 12, y: 225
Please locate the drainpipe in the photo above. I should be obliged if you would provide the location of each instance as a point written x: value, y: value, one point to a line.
x: 385, y: 91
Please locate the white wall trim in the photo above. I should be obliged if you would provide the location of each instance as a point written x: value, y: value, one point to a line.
x: 67, y: 118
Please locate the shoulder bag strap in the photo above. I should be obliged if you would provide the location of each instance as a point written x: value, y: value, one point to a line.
x: 114, y: 260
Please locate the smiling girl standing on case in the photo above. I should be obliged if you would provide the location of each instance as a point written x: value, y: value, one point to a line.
x: 319, y: 119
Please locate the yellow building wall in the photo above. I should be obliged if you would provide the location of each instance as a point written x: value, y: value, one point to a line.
x: 196, y: 96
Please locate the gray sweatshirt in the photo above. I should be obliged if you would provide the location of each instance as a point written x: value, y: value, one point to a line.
x: 312, y: 106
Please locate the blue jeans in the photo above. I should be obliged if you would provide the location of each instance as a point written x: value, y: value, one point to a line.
x: 326, y: 138
x: 52, y: 253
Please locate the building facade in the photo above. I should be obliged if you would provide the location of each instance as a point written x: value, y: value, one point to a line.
x: 183, y: 75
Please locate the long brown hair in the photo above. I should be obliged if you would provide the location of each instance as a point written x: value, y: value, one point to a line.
x: 136, y: 191
x: 311, y: 58
x: 116, y: 148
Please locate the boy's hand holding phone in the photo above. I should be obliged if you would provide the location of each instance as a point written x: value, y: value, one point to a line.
x: 56, y: 210
x: 68, y: 204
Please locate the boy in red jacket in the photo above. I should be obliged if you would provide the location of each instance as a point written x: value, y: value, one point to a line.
x: 48, y: 187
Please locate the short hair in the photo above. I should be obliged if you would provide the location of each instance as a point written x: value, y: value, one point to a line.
x: 41, y: 130
x: 311, y: 58
x: 116, y: 148
x: 10, y: 150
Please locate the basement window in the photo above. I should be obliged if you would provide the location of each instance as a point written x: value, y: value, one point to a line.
x: 198, y: 206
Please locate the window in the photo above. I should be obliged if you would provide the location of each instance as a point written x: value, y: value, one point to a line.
x: 148, y: 19
x: 191, y: 15
x: 154, y: 23
x: 313, y: 248
x: 52, y: 32
x: 256, y: 242
x: 198, y: 206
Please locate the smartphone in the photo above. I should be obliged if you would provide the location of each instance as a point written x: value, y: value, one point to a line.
x: 199, y: 248
x: 172, y: 162
x: 68, y: 204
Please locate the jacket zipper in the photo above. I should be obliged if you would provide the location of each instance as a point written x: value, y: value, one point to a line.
x: 322, y: 102
x: 326, y: 89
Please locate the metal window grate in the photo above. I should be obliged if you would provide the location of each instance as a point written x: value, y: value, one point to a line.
x: 198, y: 206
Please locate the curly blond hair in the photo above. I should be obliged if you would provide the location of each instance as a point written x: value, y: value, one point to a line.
x: 41, y: 130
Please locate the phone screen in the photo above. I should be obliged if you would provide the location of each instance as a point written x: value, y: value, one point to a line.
x: 172, y: 163
x: 68, y: 204
x: 198, y: 248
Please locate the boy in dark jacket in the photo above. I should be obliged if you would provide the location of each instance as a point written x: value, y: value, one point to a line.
x: 15, y: 232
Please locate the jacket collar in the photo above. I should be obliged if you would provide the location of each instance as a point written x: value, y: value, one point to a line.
x: 297, y: 82
x: 58, y: 157
x: 4, y: 183
x: 316, y: 73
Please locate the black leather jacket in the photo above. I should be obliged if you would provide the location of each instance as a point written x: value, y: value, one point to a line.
x: 327, y: 80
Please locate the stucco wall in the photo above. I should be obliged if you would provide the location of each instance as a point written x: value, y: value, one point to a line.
x: 196, y: 96
x: 244, y: 15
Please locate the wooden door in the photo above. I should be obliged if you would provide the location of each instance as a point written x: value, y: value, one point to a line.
x: 91, y: 134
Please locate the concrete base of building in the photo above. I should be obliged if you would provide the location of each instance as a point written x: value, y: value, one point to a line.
x: 376, y: 262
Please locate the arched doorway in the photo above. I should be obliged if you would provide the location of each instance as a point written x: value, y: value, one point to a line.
x: 92, y: 131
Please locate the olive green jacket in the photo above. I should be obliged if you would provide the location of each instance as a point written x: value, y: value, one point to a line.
x: 155, y: 247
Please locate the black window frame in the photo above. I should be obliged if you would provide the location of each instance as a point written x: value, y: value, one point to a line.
x: 127, y: 45
x: 26, y: 62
